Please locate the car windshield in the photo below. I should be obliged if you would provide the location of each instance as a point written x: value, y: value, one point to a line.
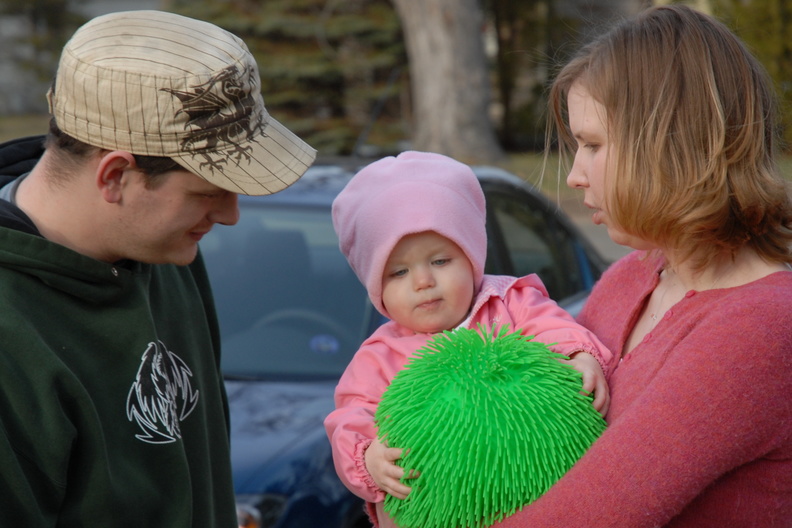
x: 289, y: 306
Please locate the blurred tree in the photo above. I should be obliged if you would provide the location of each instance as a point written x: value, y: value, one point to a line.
x: 450, y: 78
x: 48, y: 25
x: 534, y: 37
x: 336, y: 71
x: 766, y: 27
x: 518, y: 31
x: 527, y: 34
x: 328, y: 67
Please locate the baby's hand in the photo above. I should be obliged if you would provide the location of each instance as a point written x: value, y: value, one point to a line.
x: 381, y: 465
x: 593, y: 379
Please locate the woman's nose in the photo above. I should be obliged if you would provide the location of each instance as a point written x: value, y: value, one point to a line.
x: 576, y: 178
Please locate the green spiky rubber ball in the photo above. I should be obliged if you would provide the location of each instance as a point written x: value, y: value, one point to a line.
x: 489, y: 420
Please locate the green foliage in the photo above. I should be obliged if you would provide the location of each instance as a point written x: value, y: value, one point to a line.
x: 534, y: 37
x: 766, y: 27
x: 521, y: 32
x: 50, y: 24
x: 326, y: 65
x: 489, y: 420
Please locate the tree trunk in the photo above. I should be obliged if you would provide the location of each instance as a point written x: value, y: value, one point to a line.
x: 450, y: 79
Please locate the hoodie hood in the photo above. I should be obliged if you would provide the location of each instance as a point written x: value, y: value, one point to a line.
x: 18, y: 156
x: 54, y: 265
x: 64, y: 269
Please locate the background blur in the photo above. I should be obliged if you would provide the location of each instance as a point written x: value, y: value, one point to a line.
x: 342, y: 73
x: 369, y: 78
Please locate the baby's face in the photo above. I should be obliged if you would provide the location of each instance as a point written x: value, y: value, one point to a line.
x: 427, y: 284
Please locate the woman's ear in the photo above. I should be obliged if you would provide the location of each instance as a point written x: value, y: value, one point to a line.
x: 110, y: 173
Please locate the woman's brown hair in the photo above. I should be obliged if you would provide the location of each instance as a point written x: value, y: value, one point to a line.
x: 692, y: 116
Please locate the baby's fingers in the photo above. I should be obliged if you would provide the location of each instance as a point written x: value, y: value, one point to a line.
x: 601, y: 398
x: 393, y: 485
x: 392, y: 454
x: 411, y: 474
x: 399, y: 490
x: 589, y: 383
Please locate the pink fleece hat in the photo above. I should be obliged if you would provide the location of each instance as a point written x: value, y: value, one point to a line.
x: 411, y: 193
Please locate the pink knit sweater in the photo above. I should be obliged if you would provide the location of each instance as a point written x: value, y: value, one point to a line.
x: 700, y: 423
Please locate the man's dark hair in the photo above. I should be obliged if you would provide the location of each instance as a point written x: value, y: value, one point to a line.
x: 151, y: 166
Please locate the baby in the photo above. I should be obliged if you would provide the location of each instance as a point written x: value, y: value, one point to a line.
x: 413, y: 228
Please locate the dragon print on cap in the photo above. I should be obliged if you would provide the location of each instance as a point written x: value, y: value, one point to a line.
x: 221, y: 112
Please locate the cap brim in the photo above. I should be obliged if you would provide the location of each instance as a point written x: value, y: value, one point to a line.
x: 264, y: 164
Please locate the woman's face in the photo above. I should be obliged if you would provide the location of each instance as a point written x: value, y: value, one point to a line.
x: 588, y: 123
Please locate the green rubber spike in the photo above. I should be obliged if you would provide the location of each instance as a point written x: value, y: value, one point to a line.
x: 489, y: 420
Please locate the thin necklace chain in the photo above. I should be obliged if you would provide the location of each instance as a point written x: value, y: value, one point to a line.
x: 653, y: 315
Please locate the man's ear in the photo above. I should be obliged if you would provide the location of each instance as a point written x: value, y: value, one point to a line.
x: 110, y: 173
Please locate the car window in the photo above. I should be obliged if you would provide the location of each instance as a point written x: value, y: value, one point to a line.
x: 527, y: 238
x: 289, y: 305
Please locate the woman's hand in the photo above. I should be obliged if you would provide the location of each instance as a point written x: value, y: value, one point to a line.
x: 593, y: 379
x: 381, y: 465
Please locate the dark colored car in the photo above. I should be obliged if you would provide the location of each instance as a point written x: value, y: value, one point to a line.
x: 292, y: 314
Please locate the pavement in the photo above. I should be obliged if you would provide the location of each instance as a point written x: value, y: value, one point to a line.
x: 597, y: 234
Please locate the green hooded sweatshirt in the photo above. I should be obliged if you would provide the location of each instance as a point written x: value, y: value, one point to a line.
x: 112, y: 406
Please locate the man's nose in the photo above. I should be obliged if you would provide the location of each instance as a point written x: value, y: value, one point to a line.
x: 227, y: 210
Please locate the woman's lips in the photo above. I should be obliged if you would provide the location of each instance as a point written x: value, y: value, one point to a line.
x: 596, y: 216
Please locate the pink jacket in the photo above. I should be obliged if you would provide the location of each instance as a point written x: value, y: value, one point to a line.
x: 700, y: 422
x: 522, y: 303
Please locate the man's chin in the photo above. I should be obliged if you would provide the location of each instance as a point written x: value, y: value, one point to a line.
x: 185, y: 260
x: 183, y: 257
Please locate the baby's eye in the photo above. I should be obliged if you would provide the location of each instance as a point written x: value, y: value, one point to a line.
x: 399, y: 273
x: 441, y: 262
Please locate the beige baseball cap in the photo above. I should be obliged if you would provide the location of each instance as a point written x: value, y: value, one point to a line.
x: 159, y: 84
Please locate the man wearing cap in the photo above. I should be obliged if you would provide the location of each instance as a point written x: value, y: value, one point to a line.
x: 112, y: 406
